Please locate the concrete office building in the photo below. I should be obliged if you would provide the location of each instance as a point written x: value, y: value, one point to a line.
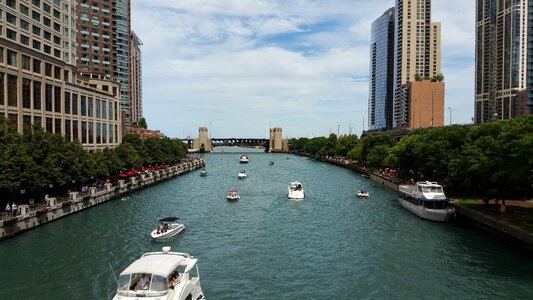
x: 381, y: 89
x: 39, y: 83
x: 417, y: 47
x: 501, y: 59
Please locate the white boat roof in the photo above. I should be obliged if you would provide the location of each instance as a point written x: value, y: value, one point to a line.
x: 159, y: 263
x: 427, y: 183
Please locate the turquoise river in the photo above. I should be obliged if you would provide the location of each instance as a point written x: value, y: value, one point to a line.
x: 328, y: 246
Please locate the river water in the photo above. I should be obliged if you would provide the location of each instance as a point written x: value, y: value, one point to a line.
x: 328, y: 246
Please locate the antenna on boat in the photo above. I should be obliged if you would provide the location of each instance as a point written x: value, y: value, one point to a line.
x: 116, y: 280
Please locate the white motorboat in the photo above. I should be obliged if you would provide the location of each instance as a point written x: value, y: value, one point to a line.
x: 203, y: 172
x: 162, y: 275
x: 242, y: 174
x: 296, y: 190
x: 244, y: 159
x: 427, y: 200
x: 167, y: 229
x: 363, y: 194
x: 233, y: 195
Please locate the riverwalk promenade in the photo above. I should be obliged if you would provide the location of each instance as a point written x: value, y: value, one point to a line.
x: 493, y: 225
x: 53, y: 208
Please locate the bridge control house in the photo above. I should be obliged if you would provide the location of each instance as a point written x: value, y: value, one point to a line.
x: 39, y: 83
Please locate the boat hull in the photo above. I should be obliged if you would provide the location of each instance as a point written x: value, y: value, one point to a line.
x: 174, y: 229
x: 438, y: 215
x: 296, y: 195
x: 233, y: 198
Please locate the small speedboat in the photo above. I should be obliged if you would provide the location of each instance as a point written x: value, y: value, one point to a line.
x: 233, y: 195
x: 203, y: 172
x: 242, y: 174
x: 167, y: 229
x: 363, y: 194
x: 161, y: 275
x: 271, y: 163
x: 296, y: 190
x: 244, y: 159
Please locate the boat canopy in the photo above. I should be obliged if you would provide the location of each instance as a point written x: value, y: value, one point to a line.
x: 169, y: 219
x: 232, y: 191
x: 159, y: 264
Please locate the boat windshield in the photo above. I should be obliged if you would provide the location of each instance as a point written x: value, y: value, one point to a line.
x: 142, y: 282
x: 432, y: 189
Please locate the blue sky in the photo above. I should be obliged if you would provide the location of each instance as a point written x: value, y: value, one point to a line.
x: 238, y: 66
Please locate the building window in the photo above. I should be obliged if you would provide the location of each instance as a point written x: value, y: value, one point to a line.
x: 91, y: 132
x: 24, y: 10
x: 26, y: 121
x: 47, y: 22
x: 46, y: 7
x: 49, y: 125
x: 67, y: 102
x: 25, y: 62
x: 98, y: 133
x: 36, y: 66
x: 36, y: 3
x: 83, y: 132
x: 36, y: 45
x: 12, y: 35
x: 11, y: 19
x: 57, y: 126
x: 104, y: 109
x: 83, y: 106
x: 57, y: 99
x: 90, y: 107
x: 38, y: 121
x: 12, y: 3
x: 104, y: 133
x: 36, y: 16
x: 24, y: 40
x: 98, y: 103
x: 2, y: 75
x: 68, y: 135
x: 24, y: 25
x: 12, y: 58
x: 47, y: 69
x: 26, y: 93
x: 48, y: 97
x: 12, y: 90
x: 36, y: 30
x: 57, y: 72
x: 74, y: 104
x: 75, y: 130
x: 36, y: 95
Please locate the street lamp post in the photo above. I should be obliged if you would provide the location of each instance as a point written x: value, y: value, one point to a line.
x: 450, y: 115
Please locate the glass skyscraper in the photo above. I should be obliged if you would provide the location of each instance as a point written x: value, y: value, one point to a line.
x: 380, y: 100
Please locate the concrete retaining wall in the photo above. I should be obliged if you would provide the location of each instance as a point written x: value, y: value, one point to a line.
x: 75, y: 203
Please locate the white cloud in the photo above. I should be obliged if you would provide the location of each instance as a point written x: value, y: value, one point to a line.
x: 300, y: 64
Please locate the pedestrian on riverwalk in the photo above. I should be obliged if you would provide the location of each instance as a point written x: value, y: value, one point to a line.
x: 14, y: 209
x: 8, y: 209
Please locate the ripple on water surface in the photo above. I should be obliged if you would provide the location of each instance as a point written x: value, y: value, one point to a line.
x: 328, y: 246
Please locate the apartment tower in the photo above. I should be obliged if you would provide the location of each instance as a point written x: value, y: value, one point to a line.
x: 136, y: 78
x: 417, y: 49
x: 104, y: 51
x: 380, y: 100
x: 501, y: 59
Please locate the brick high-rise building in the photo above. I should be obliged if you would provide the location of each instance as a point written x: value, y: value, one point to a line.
x: 104, y: 46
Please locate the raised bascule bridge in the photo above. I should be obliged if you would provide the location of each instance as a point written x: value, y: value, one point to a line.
x: 275, y: 143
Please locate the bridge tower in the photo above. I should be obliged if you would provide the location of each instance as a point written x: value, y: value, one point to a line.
x: 203, y: 139
x: 277, y: 143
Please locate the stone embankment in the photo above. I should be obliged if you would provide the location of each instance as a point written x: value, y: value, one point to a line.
x: 56, y: 208
x: 497, y: 228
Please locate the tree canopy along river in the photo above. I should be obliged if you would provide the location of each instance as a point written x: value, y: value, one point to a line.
x: 330, y: 245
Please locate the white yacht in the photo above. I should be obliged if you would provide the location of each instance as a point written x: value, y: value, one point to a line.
x: 426, y: 199
x: 244, y: 159
x: 296, y: 190
x: 242, y: 174
x: 203, y: 172
x: 166, y: 229
x: 162, y: 275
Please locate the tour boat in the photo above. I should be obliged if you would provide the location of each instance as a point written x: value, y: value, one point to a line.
x: 244, y: 159
x: 203, y: 172
x: 233, y: 195
x: 296, y: 191
x: 363, y: 194
x: 427, y: 200
x: 161, y: 275
x: 166, y: 230
x: 242, y: 174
